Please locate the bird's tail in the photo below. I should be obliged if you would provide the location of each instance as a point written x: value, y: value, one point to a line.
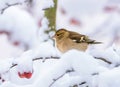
x: 96, y: 42
x: 89, y: 41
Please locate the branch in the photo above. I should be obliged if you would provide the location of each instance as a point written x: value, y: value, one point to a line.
x: 103, y: 59
x: 82, y: 83
x: 13, y: 65
x: 69, y: 71
x: 41, y: 58
x: 50, y: 14
x: 9, y: 5
x: 54, y: 80
x: 46, y: 58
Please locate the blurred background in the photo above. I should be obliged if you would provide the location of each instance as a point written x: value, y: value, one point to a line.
x: 24, y: 25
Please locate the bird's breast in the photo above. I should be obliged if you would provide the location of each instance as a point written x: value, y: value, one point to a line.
x: 68, y: 44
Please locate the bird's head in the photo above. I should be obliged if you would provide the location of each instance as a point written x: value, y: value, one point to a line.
x: 61, y: 34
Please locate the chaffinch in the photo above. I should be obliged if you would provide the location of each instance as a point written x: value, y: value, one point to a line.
x: 66, y: 40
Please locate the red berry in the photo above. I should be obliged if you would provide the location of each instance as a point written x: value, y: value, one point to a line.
x: 28, y: 75
x: 5, y: 32
x: 110, y: 8
x: 75, y: 22
x: 16, y: 43
x: 21, y: 75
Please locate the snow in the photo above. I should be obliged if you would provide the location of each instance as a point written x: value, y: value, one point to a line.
x: 44, y: 50
x: 24, y: 62
x: 42, y: 35
x: 21, y: 25
x: 4, y: 67
x: 81, y: 61
x: 86, y: 5
x: 108, y: 54
x: 64, y: 64
x: 109, y: 78
x: 38, y: 6
x: 6, y: 49
x: 36, y: 51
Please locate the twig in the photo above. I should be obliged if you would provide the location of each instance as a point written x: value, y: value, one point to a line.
x: 13, y: 65
x: 41, y: 58
x: 9, y: 5
x: 82, y: 83
x: 76, y: 85
x: 46, y: 58
x: 67, y: 71
x: 29, y: 3
x: 103, y: 60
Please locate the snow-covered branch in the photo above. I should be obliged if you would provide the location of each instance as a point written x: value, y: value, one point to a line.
x: 9, y: 5
x: 55, y: 79
x: 41, y: 58
x: 6, y: 4
x: 103, y: 59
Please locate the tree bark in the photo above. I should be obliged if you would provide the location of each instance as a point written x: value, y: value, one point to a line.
x: 50, y: 13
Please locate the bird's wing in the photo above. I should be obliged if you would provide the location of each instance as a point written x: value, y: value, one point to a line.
x: 80, y: 38
x: 76, y: 37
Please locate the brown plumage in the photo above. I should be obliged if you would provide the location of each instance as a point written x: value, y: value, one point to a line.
x: 66, y: 40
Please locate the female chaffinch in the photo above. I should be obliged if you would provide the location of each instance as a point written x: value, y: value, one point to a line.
x: 66, y: 40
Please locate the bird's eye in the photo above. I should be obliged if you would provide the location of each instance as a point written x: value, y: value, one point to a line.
x: 58, y: 34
